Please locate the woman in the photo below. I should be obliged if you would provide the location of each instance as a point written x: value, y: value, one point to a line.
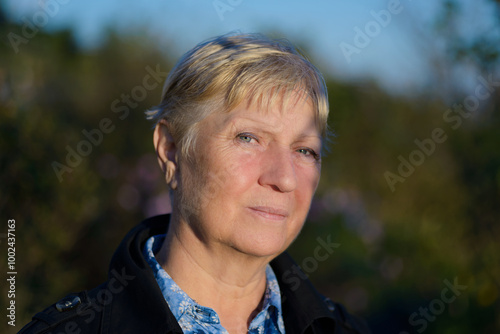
x: 239, y: 134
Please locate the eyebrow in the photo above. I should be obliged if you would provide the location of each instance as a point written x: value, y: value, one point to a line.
x: 268, y: 129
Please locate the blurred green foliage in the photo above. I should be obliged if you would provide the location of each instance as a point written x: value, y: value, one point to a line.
x: 396, y: 247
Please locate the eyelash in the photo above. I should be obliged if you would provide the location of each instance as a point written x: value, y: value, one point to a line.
x: 239, y: 136
x: 311, y: 152
x: 308, y: 151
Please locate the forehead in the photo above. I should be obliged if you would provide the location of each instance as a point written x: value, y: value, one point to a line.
x: 294, y: 114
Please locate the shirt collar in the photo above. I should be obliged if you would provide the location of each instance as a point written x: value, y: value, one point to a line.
x: 271, y: 307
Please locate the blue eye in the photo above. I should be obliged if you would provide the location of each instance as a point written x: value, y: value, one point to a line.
x: 245, y: 137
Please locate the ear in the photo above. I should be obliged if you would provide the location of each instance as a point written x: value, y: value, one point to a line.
x: 166, y: 152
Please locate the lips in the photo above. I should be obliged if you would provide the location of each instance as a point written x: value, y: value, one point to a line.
x: 270, y: 212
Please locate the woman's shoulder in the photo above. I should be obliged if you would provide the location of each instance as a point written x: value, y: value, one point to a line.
x: 75, y: 313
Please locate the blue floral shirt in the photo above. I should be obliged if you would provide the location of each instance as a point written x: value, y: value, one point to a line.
x: 194, y: 318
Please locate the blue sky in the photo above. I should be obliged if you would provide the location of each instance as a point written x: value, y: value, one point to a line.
x: 393, y: 53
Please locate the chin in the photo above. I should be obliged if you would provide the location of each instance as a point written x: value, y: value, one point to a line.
x: 262, y: 245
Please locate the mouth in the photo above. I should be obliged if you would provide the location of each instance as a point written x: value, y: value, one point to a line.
x: 269, y: 212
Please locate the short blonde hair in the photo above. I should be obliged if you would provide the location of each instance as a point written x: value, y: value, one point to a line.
x: 220, y: 73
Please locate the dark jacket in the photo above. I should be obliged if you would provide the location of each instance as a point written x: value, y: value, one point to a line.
x: 132, y: 302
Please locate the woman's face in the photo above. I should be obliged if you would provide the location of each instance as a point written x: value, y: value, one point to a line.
x: 254, y: 172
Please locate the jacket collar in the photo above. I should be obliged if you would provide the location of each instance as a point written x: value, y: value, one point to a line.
x: 142, y: 304
x: 303, y: 306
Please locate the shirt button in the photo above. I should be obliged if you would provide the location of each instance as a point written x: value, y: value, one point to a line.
x: 330, y: 304
x: 68, y: 303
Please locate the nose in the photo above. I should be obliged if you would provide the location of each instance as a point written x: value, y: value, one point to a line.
x: 278, y: 170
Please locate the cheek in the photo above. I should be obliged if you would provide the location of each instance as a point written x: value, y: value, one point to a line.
x: 308, y: 179
x: 189, y: 192
x: 308, y: 176
x: 237, y: 170
x: 219, y: 179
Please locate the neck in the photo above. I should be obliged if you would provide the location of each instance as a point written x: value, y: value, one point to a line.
x: 219, y: 277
